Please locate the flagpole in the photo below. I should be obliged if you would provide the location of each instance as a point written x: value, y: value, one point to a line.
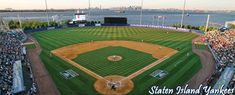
x: 182, y: 18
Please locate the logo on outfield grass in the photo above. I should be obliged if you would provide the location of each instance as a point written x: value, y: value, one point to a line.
x: 185, y: 90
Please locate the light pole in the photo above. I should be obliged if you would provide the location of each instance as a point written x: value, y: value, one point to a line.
x: 19, y: 20
x: 182, y: 19
x: 207, y: 23
x: 47, y: 13
x: 1, y: 23
x: 89, y: 9
x: 141, y: 11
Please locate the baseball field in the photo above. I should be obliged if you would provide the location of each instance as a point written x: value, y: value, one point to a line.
x: 103, y: 55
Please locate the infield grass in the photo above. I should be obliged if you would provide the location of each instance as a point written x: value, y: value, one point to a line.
x: 131, y: 62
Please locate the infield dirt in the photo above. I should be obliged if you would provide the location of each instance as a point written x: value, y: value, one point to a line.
x: 72, y: 51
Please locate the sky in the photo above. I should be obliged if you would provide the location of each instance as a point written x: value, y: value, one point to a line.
x: 148, y: 4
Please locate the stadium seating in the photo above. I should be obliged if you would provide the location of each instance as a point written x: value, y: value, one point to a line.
x: 11, y: 51
x: 222, y: 46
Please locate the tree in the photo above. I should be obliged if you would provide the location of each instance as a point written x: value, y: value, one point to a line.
x: 12, y: 24
x: 232, y: 26
x: 88, y: 22
x: 189, y: 26
x: 92, y: 22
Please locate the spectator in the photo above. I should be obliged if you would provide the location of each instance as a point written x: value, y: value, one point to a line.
x: 10, y: 51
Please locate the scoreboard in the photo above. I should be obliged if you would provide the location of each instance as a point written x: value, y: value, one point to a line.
x: 80, y: 17
x: 115, y: 20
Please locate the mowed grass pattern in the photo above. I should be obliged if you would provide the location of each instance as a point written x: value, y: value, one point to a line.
x: 180, y: 67
x: 131, y: 62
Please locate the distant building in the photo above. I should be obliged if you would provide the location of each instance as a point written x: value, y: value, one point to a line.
x: 10, y: 9
x: 130, y: 8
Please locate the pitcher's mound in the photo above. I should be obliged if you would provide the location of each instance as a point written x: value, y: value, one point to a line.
x: 114, y: 85
x: 114, y: 58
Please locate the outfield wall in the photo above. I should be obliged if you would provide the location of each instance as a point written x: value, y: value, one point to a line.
x: 163, y: 27
x: 133, y: 25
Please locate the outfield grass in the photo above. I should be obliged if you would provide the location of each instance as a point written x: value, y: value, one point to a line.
x: 131, y: 62
x: 180, y: 67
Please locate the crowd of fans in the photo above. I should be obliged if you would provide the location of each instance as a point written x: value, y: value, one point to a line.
x: 223, y: 44
x: 10, y: 51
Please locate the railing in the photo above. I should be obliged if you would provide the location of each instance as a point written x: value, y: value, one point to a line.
x: 213, y: 53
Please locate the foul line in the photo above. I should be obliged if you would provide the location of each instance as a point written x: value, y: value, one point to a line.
x: 80, y: 67
x: 133, y: 75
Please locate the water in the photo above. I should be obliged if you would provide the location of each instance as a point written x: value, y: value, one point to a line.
x: 195, y: 19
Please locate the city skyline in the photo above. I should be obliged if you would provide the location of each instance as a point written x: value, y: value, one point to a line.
x: 148, y: 4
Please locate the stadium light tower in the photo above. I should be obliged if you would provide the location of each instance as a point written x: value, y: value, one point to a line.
x: 19, y: 20
x: 182, y: 18
x: 141, y: 11
x: 207, y: 23
x: 89, y: 8
x: 47, y: 13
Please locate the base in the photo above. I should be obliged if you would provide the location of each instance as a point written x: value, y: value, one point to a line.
x: 114, y: 85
